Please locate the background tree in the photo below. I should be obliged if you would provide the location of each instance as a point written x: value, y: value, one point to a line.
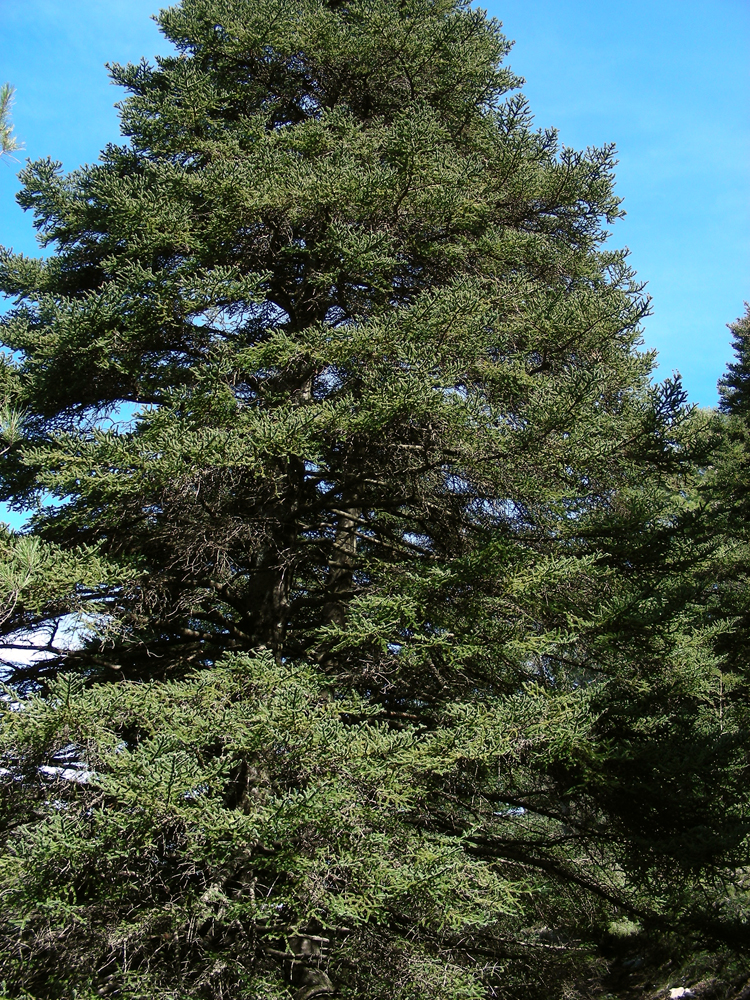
x: 8, y: 142
x: 396, y: 681
x: 724, y: 489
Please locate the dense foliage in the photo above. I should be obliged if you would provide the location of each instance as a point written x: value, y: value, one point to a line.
x: 728, y: 487
x: 374, y: 578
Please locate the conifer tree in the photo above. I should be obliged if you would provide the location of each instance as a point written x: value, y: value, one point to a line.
x: 393, y: 682
x: 734, y: 387
x: 727, y: 488
x: 8, y: 142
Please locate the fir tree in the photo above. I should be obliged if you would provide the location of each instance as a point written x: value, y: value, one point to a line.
x: 734, y: 387
x: 8, y: 142
x: 727, y: 490
x: 395, y: 681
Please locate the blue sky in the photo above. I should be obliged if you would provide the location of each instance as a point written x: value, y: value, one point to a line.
x: 666, y: 80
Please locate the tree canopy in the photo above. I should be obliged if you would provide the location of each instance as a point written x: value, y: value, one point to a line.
x: 372, y: 573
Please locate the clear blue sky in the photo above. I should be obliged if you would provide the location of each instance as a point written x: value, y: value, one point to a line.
x: 666, y: 80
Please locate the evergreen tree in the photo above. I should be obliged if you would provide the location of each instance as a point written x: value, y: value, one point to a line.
x: 734, y: 387
x: 394, y: 681
x: 733, y: 472
x: 8, y: 142
x: 727, y: 490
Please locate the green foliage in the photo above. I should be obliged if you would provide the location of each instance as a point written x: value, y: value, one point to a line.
x: 8, y: 142
x: 179, y: 837
x: 733, y: 387
x: 725, y: 492
x: 48, y: 596
x: 396, y: 678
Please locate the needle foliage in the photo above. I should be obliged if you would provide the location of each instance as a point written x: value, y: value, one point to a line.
x: 391, y: 675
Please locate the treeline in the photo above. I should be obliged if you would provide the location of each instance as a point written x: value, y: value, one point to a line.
x: 380, y: 630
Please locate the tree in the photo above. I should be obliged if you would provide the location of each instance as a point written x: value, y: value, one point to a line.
x: 733, y: 388
x: 395, y: 681
x: 8, y: 142
x: 727, y: 490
